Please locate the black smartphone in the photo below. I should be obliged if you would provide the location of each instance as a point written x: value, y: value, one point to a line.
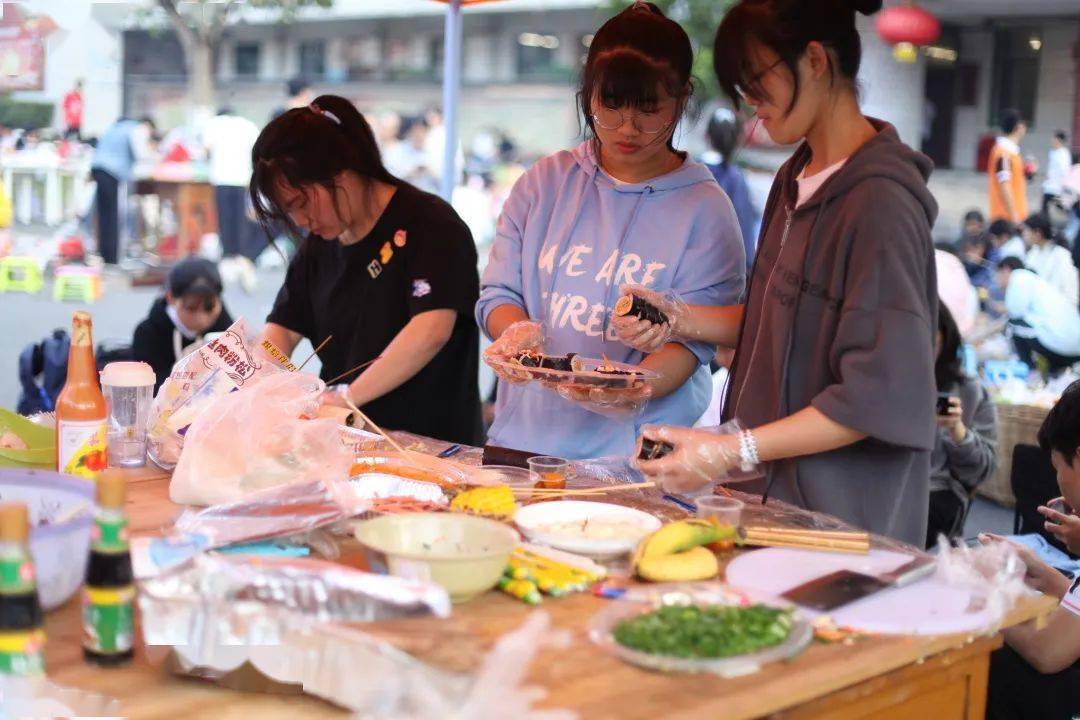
x: 943, y: 403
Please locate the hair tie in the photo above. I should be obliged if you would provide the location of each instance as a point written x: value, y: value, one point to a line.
x: 325, y: 113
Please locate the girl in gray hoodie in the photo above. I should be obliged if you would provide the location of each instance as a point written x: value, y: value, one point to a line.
x: 833, y: 373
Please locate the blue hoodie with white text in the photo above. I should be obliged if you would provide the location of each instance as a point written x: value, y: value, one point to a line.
x: 569, y: 236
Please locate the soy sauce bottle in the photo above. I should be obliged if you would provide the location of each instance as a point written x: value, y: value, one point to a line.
x: 22, y: 635
x: 109, y: 593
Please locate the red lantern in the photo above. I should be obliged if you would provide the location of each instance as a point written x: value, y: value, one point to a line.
x: 908, y: 24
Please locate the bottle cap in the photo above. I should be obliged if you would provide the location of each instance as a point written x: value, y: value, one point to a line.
x: 111, y: 489
x: 14, y: 522
x: 128, y: 374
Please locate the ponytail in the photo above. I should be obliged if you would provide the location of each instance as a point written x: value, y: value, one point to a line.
x: 312, y: 145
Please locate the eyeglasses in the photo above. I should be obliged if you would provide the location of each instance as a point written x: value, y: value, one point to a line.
x: 649, y: 123
x: 755, y: 80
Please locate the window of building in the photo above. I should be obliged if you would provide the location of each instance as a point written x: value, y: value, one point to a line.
x: 538, y: 57
x: 313, y: 59
x: 247, y: 59
x: 1015, y: 84
x: 364, y: 57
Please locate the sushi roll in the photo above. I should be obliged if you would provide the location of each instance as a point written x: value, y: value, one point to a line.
x: 653, y: 450
x: 637, y: 307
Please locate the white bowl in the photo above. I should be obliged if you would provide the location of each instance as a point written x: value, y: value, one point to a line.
x: 60, y: 550
x: 532, y: 519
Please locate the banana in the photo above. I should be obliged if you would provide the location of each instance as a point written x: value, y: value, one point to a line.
x: 697, y: 563
x: 676, y: 537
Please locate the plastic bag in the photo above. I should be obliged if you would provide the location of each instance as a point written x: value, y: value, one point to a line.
x: 993, y: 573
x: 226, y: 363
x: 254, y: 439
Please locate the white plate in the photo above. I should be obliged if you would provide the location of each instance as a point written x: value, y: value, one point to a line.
x: 532, y: 517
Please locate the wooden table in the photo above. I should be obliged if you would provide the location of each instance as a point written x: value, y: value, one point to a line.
x: 880, y: 677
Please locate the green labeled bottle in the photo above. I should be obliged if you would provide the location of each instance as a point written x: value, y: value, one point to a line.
x: 109, y: 593
x: 22, y: 635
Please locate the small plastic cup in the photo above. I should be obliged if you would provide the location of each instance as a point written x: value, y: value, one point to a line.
x: 129, y: 389
x: 722, y: 510
x: 549, y: 472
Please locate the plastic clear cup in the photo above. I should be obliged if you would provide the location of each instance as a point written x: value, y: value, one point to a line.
x: 549, y: 472
x: 129, y: 389
x: 722, y: 510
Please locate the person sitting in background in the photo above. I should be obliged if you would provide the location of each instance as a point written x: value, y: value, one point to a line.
x: 1049, y: 260
x: 1004, y: 242
x: 177, y: 323
x: 974, y: 225
x: 1058, y: 164
x: 1042, y: 320
x: 965, y: 448
x: 1037, y: 673
x: 978, y: 255
x: 724, y: 132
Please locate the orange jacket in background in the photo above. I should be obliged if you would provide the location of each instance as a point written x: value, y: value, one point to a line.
x: 1005, y: 171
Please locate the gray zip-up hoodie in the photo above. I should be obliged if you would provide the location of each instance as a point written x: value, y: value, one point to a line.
x: 841, y: 314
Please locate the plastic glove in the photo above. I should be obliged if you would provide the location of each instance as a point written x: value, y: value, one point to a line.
x: 643, y: 335
x: 516, y: 339
x: 616, y: 403
x: 700, y: 459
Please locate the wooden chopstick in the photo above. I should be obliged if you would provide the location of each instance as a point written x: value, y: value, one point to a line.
x: 549, y: 492
x: 315, y: 352
x: 347, y: 373
x: 405, y: 455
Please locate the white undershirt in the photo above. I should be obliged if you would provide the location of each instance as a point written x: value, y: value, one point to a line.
x: 809, y: 185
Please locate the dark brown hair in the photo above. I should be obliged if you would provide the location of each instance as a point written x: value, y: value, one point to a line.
x: 311, y: 145
x: 786, y: 27
x: 630, y: 56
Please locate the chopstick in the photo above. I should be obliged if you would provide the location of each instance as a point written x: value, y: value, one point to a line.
x: 315, y: 352
x: 406, y: 456
x: 347, y: 373
x: 837, y: 540
x: 556, y: 492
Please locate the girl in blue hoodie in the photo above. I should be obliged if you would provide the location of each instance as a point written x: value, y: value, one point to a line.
x: 624, y: 207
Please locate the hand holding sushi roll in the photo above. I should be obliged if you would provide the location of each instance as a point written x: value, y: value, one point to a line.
x: 521, y: 337
x: 699, y: 458
x: 646, y: 320
x: 616, y: 403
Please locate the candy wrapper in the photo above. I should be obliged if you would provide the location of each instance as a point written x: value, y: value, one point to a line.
x: 283, y: 511
x: 229, y: 362
x: 255, y: 438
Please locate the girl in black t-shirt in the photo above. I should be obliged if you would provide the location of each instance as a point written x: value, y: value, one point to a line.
x: 387, y: 270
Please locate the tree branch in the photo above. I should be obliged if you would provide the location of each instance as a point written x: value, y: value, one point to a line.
x: 187, y: 35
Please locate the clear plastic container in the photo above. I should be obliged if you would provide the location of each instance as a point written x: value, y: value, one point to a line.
x: 129, y: 389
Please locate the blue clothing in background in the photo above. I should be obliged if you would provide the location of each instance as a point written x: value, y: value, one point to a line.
x: 114, y: 153
x: 569, y: 236
x: 732, y: 181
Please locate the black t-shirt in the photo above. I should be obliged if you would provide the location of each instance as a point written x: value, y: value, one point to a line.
x: 419, y: 257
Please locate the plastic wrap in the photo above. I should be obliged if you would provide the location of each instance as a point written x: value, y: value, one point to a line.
x: 283, y: 511
x: 636, y: 328
x: 41, y: 698
x: 993, y: 573
x: 231, y: 361
x: 617, y: 403
x: 255, y: 438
